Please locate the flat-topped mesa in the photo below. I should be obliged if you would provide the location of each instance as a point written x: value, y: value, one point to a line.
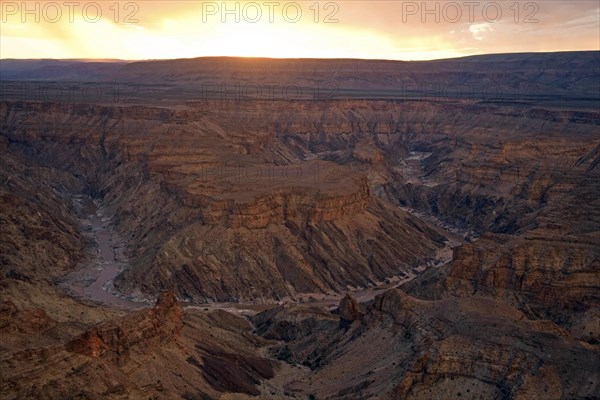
x: 299, y: 205
x: 161, y: 323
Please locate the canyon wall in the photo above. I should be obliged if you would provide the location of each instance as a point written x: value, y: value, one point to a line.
x: 245, y: 200
x: 200, y: 224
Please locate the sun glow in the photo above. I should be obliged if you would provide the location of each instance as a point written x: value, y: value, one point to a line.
x: 184, y: 29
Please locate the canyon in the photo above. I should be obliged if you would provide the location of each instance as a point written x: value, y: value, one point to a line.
x: 372, y: 243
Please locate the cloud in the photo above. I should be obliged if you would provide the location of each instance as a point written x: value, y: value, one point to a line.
x: 478, y: 29
x: 374, y: 29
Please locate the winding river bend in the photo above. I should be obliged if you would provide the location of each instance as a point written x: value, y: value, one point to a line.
x: 93, y: 281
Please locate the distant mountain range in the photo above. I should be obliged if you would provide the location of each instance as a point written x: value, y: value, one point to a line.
x: 568, y: 74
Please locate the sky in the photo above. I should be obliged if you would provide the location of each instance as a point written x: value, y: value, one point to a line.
x: 392, y: 29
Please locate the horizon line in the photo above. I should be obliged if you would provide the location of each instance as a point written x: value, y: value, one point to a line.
x: 115, y: 60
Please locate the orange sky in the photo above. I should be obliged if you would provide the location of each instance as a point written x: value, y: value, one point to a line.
x: 402, y: 30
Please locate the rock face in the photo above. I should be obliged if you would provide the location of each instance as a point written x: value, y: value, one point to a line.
x: 459, y: 347
x: 544, y: 277
x: 40, y: 237
x: 160, y: 323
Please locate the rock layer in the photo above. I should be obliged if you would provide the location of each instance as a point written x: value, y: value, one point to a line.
x: 413, y: 349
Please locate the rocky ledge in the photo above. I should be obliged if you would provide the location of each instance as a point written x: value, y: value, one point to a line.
x: 157, y: 324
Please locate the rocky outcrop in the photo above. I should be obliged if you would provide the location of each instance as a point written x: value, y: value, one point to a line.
x: 349, y: 310
x: 160, y: 323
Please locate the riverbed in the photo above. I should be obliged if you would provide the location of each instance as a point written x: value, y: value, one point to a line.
x: 93, y: 280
